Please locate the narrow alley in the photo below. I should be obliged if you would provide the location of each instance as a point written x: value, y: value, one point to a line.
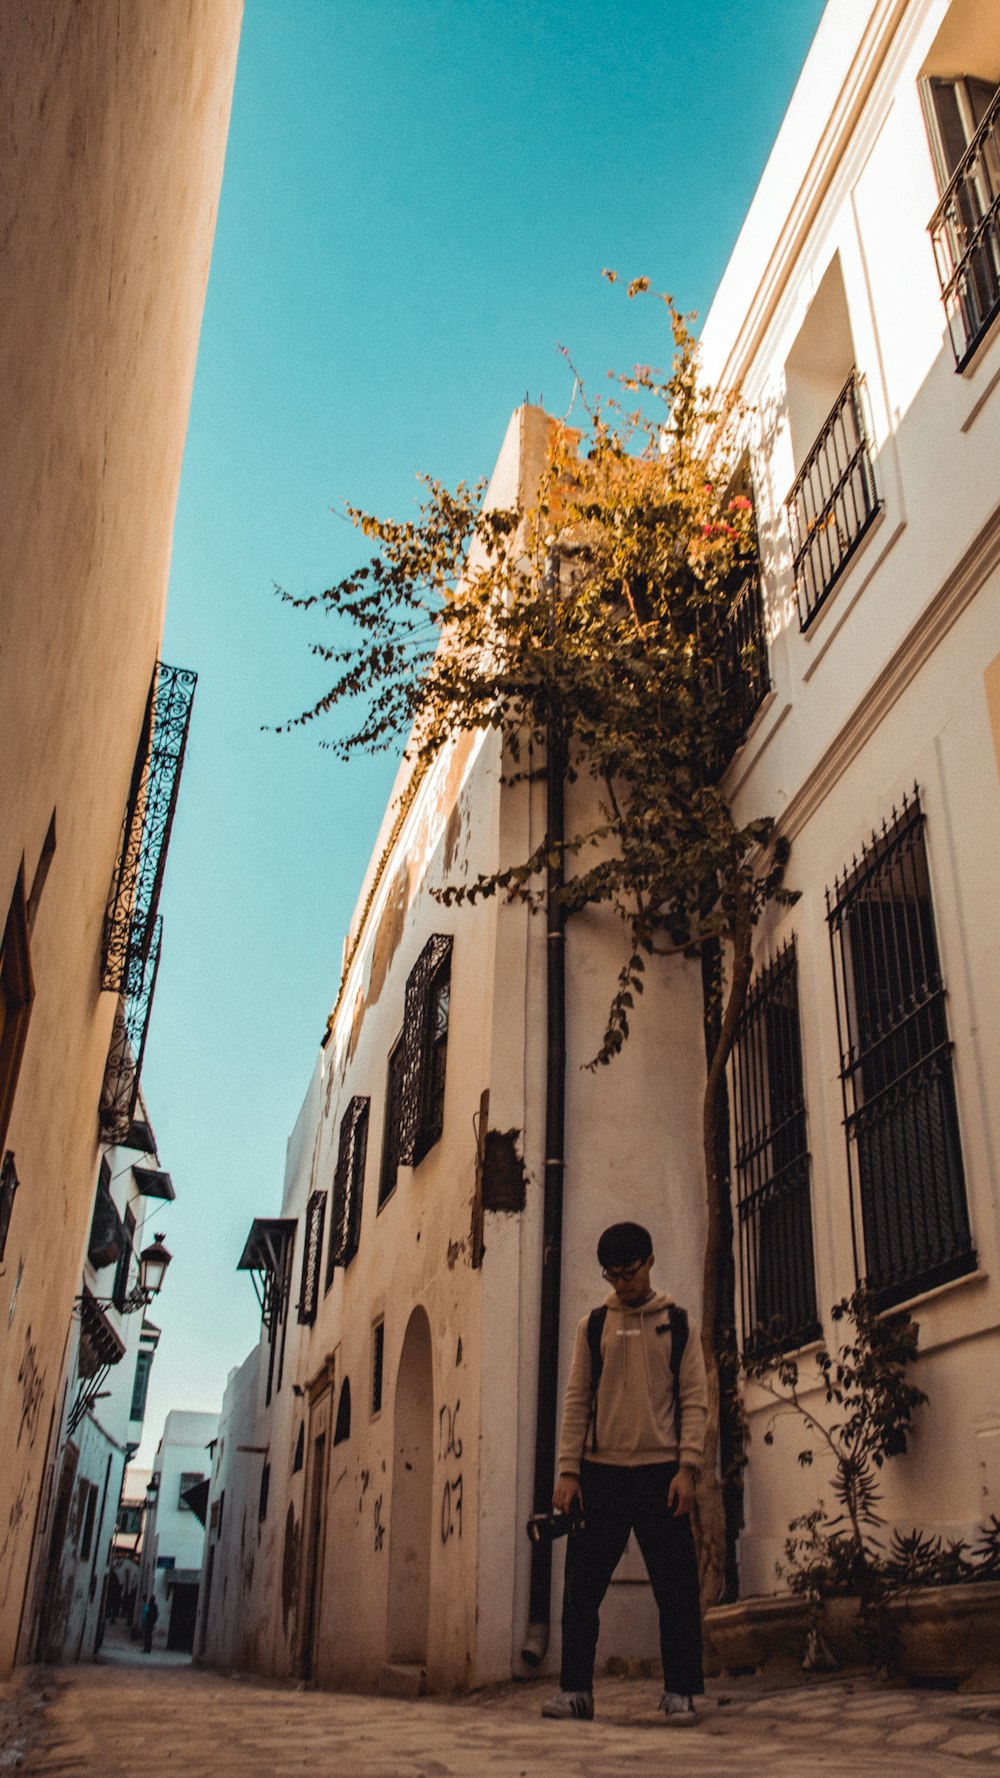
x: 132, y: 1716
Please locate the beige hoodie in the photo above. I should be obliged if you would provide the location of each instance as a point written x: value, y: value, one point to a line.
x: 635, y: 1398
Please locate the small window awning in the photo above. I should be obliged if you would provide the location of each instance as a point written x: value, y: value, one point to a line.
x: 140, y: 1136
x: 266, y: 1245
x: 183, y: 1577
x: 152, y: 1182
x: 99, y: 1343
x: 196, y: 1497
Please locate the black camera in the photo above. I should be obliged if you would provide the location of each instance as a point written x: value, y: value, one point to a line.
x: 546, y: 1527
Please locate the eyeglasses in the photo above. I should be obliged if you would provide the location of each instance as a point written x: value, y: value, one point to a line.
x: 623, y: 1274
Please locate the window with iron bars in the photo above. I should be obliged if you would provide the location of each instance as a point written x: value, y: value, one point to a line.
x: 963, y: 125
x: 414, y: 1113
x: 774, y: 1213
x: 425, y: 1046
x: 744, y: 671
x: 312, y: 1255
x: 832, y: 501
x: 348, y: 1187
x: 909, y: 1215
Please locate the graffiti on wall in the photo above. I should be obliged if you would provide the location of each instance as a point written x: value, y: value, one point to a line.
x: 32, y: 1384
x: 449, y: 1440
x: 450, y: 1451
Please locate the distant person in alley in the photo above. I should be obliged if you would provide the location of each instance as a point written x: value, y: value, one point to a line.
x: 150, y: 1617
x: 632, y: 1433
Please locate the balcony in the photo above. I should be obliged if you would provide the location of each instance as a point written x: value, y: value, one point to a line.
x: 965, y: 230
x: 832, y: 501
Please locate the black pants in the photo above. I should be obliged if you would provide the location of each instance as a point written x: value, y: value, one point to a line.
x: 617, y: 1500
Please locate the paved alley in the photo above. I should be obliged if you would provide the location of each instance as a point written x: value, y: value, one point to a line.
x: 135, y: 1717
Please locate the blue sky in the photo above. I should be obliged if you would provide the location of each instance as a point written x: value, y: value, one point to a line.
x: 418, y: 200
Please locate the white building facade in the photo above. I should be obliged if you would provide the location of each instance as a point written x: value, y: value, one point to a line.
x: 174, y: 1534
x: 377, y: 1453
x: 859, y: 317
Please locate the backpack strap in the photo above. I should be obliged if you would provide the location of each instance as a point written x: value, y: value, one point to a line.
x: 595, y: 1333
x: 679, y: 1330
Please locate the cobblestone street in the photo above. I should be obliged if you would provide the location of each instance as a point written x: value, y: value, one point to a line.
x: 133, y: 1717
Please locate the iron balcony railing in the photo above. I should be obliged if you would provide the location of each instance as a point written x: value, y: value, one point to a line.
x: 832, y: 501
x: 965, y: 230
x: 130, y: 919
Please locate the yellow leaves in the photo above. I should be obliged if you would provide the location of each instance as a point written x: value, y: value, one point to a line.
x: 638, y: 287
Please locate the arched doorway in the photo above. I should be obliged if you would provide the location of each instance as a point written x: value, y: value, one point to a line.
x: 412, y: 1478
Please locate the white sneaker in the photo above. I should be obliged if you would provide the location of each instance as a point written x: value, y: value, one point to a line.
x: 568, y: 1704
x: 678, y: 1710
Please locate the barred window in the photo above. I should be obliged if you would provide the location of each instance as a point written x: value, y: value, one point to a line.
x: 425, y: 1045
x: 312, y: 1258
x: 391, y: 1131
x: 909, y: 1214
x: 777, y: 1273
x: 348, y: 1187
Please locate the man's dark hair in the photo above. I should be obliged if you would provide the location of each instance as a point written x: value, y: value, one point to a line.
x: 623, y: 1243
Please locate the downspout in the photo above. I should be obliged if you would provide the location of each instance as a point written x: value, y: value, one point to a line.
x: 540, y: 1596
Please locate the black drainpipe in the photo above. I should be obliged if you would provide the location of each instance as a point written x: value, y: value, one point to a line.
x: 540, y: 1597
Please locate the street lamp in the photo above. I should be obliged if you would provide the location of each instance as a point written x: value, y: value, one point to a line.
x: 153, y: 1263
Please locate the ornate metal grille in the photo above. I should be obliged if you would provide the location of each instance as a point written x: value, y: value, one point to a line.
x: 777, y: 1273
x: 312, y: 1258
x: 965, y: 230
x: 425, y: 1042
x: 745, y: 664
x: 348, y: 1187
x: 832, y: 501
x: 908, y: 1204
x: 123, y: 1068
x: 135, y: 889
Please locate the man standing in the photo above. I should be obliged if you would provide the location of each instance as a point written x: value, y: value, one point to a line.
x: 631, y: 1441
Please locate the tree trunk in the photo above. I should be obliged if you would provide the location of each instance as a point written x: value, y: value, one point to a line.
x: 710, y: 1517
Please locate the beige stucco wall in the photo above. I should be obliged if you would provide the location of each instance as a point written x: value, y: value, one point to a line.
x: 112, y: 139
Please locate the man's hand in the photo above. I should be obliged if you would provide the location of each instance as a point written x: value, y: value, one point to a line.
x: 680, y: 1494
x: 567, y: 1494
